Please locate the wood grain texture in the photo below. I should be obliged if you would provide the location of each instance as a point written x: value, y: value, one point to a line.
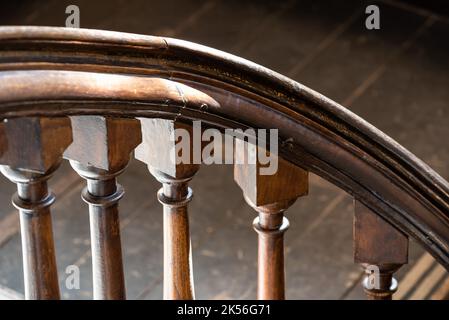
x: 270, y: 196
x: 381, y: 197
x: 99, y: 153
x: 33, y: 201
x: 34, y: 148
x: 158, y: 149
x: 159, y: 153
x: 287, y: 183
x: 34, y: 143
x: 270, y: 261
x: 178, y: 273
x: 371, y: 233
x: 326, y: 138
x: 378, y: 244
x: 103, y: 142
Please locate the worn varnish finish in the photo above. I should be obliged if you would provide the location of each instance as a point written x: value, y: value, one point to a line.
x: 377, y: 244
x: 32, y: 153
x: 99, y: 153
x: 33, y: 200
x: 34, y: 144
x: 158, y: 152
x: 270, y: 196
x: 315, y: 133
x: 324, y: 137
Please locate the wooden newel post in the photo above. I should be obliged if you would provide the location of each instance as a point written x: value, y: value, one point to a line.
x: 159, y: 153
x: 100, y: 152
x: 33, y: 152
x: 381, y: 249
x: 270, y: 196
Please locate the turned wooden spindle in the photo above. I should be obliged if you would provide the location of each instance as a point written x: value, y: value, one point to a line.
x: 158, y: 152
x: 32, y: 151
x: 381, y: 249
x: 270, y: 226
x: 99, y: 153
x: 270, y: 196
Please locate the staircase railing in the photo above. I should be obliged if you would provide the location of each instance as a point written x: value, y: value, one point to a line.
x: 93, y: 97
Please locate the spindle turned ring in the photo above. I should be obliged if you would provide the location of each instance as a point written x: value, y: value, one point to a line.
x: 103, y: 201
x: 271, y: 232
x: 174, y: 203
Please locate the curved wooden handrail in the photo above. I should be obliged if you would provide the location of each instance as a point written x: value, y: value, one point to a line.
x: 317, y: 133
x: 28, y: 92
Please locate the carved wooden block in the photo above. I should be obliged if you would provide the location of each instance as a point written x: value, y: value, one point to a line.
x: 103, y: 142
x: 375, y: 240
x: 30, y: 151
x: 34, y: 144
x: 289, y: 182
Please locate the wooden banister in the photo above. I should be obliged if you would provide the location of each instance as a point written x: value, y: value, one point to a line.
x: 167, y: 83
x: 379, y: 259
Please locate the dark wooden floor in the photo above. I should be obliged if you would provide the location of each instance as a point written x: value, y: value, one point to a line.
x: 397, y: 78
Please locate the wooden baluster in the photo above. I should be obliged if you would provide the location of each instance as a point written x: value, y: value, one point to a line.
x: 32, y: 151
x: 158, y: 152
x: 99, y: 153
x: 270, y: 196
x: 381, y: 249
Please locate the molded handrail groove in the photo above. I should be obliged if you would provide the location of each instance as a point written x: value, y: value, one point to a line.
x: 317, y: 133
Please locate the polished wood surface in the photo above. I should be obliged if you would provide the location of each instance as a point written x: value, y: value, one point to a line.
x: 99, y: 153
x: 270, y: 196
x: 316, y: 133
x: 404, y: 196
x: 270, y: 263
x: 31, y: 155
x: 33, y: 201
x: 175, y: 194
x: 178, y: 274
x: 381, y: 249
